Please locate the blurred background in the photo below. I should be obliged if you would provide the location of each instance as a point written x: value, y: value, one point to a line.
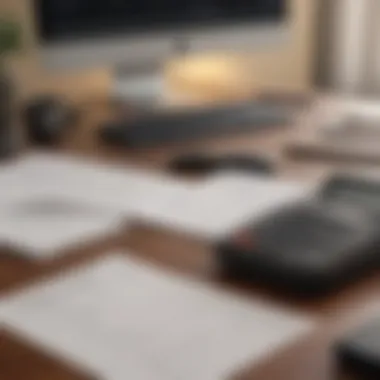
x: 288, y: 61
x: 285, y: 113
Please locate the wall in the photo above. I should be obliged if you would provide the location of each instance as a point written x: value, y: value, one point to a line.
x: 349, y: 60
x: 286, y: 66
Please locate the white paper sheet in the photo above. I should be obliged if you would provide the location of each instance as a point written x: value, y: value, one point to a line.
x: 124, y: 319
x: 207, y: 209
x: 221, y: 204
x: 42, y: 228
x: 50, y: 202
x: 120, y: 189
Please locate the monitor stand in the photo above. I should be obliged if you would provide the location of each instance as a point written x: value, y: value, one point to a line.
x: 141, y: 86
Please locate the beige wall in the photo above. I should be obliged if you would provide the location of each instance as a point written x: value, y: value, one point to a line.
x: 286, y: 66
x: 291, y: 65
x: 352, y: 47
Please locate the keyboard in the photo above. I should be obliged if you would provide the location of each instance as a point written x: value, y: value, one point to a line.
x: 175, y: 126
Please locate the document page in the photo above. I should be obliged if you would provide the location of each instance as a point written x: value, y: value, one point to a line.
x: 125, y: 319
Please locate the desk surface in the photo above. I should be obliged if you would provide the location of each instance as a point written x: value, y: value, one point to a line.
x: 307, y: 359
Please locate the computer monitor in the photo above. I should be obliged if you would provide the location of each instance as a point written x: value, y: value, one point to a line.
x: 81, y: 33
x: 136, y: 37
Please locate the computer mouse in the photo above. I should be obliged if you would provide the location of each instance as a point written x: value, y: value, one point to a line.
x: 193, y: 164
x: 247, y: 163
x: 206, y: 164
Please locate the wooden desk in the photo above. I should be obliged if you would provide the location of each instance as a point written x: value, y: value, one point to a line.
x: 307, y: 359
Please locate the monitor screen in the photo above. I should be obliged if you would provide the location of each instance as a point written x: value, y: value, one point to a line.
x: 67, y: 19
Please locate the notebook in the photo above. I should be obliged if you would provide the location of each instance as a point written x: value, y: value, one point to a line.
x: 121, y: 318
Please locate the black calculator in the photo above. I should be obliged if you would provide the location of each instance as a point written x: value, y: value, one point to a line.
x: 362, y: 191
x: 358, y: 353
x: 312, y: 246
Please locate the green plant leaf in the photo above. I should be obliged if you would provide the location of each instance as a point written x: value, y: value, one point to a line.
x: 10, y: 36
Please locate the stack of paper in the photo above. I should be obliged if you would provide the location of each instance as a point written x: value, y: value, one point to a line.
x: 207, y: 209
x: 122, y: 319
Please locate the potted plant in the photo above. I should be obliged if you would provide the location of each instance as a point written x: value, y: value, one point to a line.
x: 10, y: 40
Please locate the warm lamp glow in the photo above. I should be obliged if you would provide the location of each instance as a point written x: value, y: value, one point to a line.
x: 210, y: 78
